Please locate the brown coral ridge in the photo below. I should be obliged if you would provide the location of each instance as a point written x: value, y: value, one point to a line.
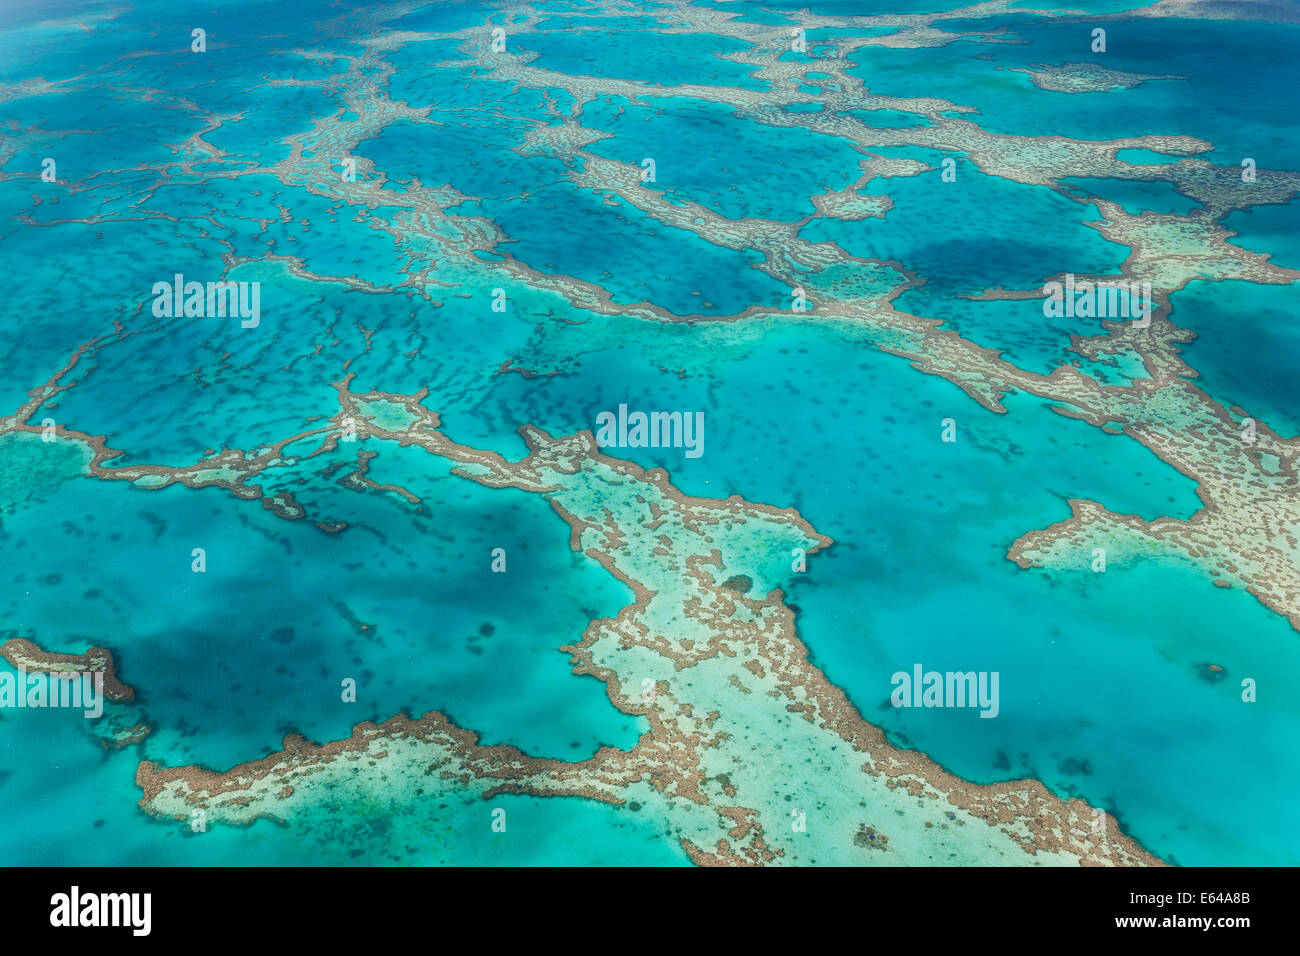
x: 299, y: 757
x: 125, y: 737
x: 23, y: 653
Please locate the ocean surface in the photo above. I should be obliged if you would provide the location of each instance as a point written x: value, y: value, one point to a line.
x: 1105, y: 693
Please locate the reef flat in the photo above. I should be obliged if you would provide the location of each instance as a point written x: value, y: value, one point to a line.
x: 716, y: 670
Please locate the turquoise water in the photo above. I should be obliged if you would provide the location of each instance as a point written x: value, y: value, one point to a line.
x: 922, y: 530
x: 975, y: 233
x: 643, y: 57
x: 1102, y: 689
x: 60, y: 766
x: 1245, y: 344
x: 696, y: 162
x: 1136, y: 196
x: 1237, y: 118
x: 1273, y: 230
x: 271, y: 591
